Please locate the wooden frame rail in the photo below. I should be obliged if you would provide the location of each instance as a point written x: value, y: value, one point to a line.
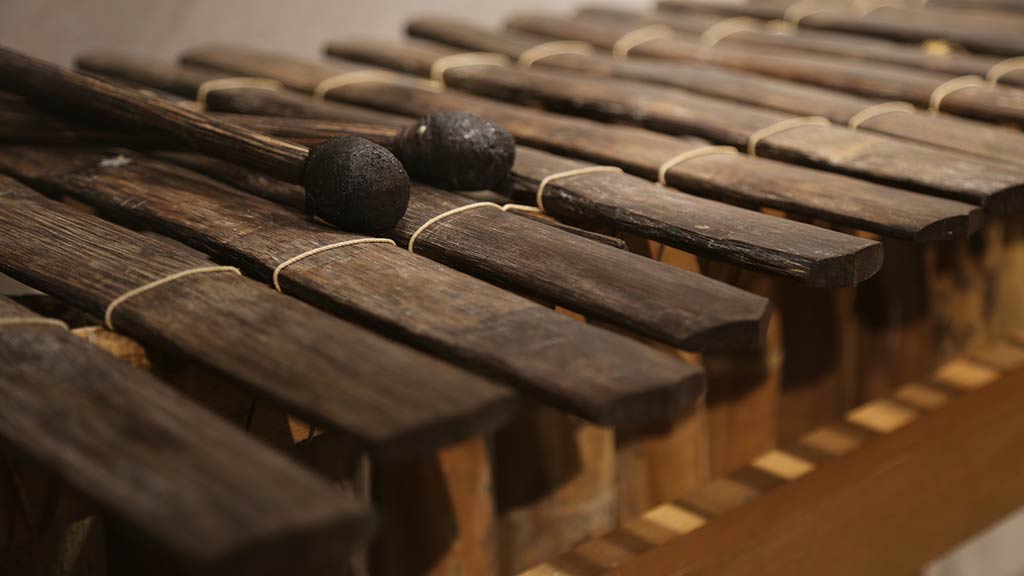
x: 902, y: 480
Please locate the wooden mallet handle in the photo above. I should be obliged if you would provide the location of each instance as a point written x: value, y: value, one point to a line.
x: 349, y: 181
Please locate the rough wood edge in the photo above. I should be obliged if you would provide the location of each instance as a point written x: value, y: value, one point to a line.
x: 879, y: 418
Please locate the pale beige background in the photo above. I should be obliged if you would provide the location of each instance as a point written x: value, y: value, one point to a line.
x: 59, y: 29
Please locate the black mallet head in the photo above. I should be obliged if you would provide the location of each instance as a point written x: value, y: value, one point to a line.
x: 457, y: 151
x: 355, y: 185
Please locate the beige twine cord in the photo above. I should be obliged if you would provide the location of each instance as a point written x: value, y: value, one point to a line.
x: 209, y: 86
x: 783, y: 126
x: 446, y: 63
x: 568, y: 174
x: 797, y: 11
x: 877, y: 110
x: 308, y: 253
x: 507, y: 207
x: 1000, y: 69
x: 721, y: 30
x: 631, y: 40
x: 33, y: 320
x: 554, y: 48
x: 109, y: 313
x: 950, y: 86
x: 443, y: 215
x: 690, y: 155
x: 358, y: 77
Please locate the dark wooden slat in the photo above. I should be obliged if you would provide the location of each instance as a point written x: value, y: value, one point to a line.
x: 350, y: 182
x: 891, y: 82
x: 454, y: 151
x: 818, y: 256
x: 199, y: 488
x: 658, y: 301
x: 390, y: 398
x: 590, y: 372
x: 745, y: 237
x: 944, y: 130
x: 752, y: 181
x: 907, y: 23
x: 184, y: 81
x: 825, y: 42
x: 776, y: 245
x: 998, y: 188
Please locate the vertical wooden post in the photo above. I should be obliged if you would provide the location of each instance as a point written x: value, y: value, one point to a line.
x: 654, y: 465
x: 895, y: 340
x: 819, y: 374
x: 555, y: 485
x: 744, y: 387
x: 1008, y: 313
x: 658, y: 465
x: 437, y: 514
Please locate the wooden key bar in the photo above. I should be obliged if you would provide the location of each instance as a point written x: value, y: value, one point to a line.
x: 627, y: 202
x: 349, y: 182
x: 899, y: 119
x: 733, y: 177
x: 978, y: 33
x: 661, y: 302
x: 715, y: 29
x: 273, y: 346
x: 198, y: 488
x: 589, y: 372
x: 974, y: 98
x: 757, y: 131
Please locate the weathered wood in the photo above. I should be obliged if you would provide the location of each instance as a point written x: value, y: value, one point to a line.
x: 762, y: 33
x: 999, y: 188
x: 737, y: 178
x: 447, y: 524
x: 825, y: 451
x: 944, y: 130
x: 275, y: 346
x: 554, y: 486
x: 629, y: 203
x: 552, y: 265
x: 976, y: 32
x: 198, y: 487
x: 747, y: 238
x: 589, y: 372
x: 985, y: 102
x: 453, y: 151
x: 847, y: 508
x: 185, y: 81
x: 349, y: 182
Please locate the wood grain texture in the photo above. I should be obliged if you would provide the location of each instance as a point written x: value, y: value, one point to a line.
x: 392, y: 399
x: 826, y: 451
x: 891, y: 82
x: 554, y: 486
x: 185, y: 81
x: 739, y: 179
x: 857, y: 511
x: 603, y: 282
x: 628, y: 203
x: 705, y: 227
x: 943, y: 130
x: 875, y: 49
x: 65, y: 89
x: 197, y: 486
x: 438, y: 514
x: 999, y: 188
x: 976, y: 32
x: 589, y: 372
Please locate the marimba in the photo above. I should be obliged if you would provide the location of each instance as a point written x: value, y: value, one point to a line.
x: 720, y: 288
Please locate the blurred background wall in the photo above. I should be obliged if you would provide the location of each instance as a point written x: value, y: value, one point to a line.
x: 57, y: 30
